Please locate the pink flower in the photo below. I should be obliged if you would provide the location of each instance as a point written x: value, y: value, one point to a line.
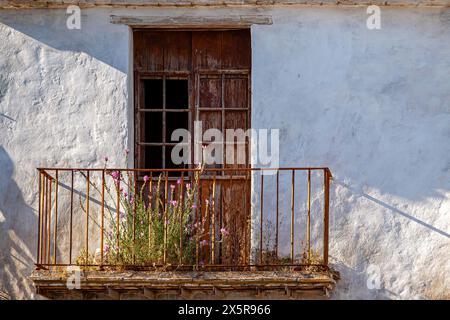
x: 131, y: 200
x: 125, y: 194
x: 115, y: 175
x: 106, y: 249
x: 146, y: 178
x: 188, y: 186
x: 172, y: 186
x: 224, y: 232
x: 179, y: 181
x: 173, y: 202
x: 207, y: 201
x: 194, y: 206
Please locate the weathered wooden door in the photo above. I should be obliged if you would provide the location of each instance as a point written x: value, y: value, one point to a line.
x: 209, y: 75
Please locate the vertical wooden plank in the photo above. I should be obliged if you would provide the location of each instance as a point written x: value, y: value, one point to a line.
x: 236, y: 49
x: 177, y: 50
x: 206, y: 47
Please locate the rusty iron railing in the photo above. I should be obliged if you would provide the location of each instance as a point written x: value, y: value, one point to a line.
x: 238, y: 218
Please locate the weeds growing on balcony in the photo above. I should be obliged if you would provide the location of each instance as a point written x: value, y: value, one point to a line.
x: 154, y: 223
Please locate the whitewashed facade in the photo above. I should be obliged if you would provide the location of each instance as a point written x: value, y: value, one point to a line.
x: 373, y: 105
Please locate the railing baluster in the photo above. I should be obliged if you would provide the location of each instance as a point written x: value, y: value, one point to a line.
x: 117, y: 183
x: 38, y: 253
x: 87, y: 216
x: 49, y: 222
x: 213, y: 231
x: 135, y: 195
x: 150, y: 206
x: 181, y: 205
x: 326, y: 215
x: 102, y: 220
x: 308, y: 223
x: 71, y: 218
x: 166, y: 199
x: 261, y: 220
x: 292, y: 214
x: 44, y: 224
x: 277, y: 213
x: 55, y: 241
x: 198, y: 220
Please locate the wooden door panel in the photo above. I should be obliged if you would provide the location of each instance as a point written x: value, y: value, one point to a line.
x: 217, y: 65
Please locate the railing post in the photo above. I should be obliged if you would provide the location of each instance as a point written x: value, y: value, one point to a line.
x: 71, y: 217
x: 292, y: 214
x: 87, y: 217
x: 261, y: 217
x: 277, y: 214
x: 326, y: 209
x: 166, y: 198
x: 49, y: 221
x: 103, y: 219
x: 308, y: 222
x: 55, y: 238
x: 38, y: 253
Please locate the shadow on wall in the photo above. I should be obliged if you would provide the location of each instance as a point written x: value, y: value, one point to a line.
x: 51, y: 29
x: 361, y: 281
x: 16, y: 256
x: 392, y: 209
x: 363, y: 285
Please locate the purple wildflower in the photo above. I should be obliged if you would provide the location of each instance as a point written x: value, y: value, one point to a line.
x: 179, y: 181
x: 172, y: 186
x: 106, y: 249
x: 115, y: 175
x: 224, y: 232
x: 194, y: 206
x: 146, y: 178
x: 173, y: 202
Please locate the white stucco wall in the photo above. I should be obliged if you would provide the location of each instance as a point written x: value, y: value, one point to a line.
x: 374, y: 106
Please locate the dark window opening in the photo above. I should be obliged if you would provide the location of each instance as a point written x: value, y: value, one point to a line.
x: 165, y: 109
x: 177, y: 94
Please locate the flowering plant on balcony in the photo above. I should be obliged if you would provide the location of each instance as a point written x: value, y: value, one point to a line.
x: 152, y: 221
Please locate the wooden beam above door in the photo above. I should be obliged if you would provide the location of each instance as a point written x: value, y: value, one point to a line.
x: 236, y: 21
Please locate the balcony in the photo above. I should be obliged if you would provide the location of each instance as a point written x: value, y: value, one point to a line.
x: 183, y: 233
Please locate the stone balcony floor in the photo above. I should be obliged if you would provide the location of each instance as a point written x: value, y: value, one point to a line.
x: 186, y: 285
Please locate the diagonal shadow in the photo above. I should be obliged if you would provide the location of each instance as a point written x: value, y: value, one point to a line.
x: 393, y: 209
